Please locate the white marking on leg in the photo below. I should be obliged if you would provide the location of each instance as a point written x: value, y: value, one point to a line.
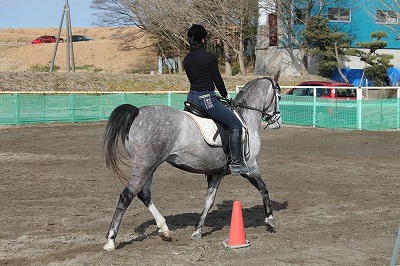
x: 196, y: 234
x: 110, y: 242
x: 161, y: 223
x: 270, y: 221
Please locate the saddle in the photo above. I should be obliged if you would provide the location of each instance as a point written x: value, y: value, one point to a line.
x: 213, y: 133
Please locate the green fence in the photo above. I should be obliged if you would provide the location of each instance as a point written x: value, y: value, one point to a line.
x: 379, y: 114
x: 25, y: 108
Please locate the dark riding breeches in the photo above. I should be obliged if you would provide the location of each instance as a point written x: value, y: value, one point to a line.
x: 208, y: 101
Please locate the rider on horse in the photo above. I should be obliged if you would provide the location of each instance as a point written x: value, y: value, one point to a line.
x: 202, y: 70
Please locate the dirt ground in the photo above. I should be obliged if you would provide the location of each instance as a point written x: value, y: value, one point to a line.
x: 336, y: 198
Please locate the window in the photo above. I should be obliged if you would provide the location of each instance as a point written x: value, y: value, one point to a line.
x: 273, y: 30
x: 346, y: 93
x: 300, y: 92
x: 339, y: 14
x: 386, y: 16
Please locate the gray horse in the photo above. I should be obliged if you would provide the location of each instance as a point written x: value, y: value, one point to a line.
x: 152, y: 135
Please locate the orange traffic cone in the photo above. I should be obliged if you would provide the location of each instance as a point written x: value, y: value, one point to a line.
x: 237, y: 236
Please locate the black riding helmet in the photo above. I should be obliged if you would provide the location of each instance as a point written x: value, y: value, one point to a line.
x: 196, y: 33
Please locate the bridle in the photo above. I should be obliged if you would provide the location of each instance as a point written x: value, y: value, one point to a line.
x: 271, y: 118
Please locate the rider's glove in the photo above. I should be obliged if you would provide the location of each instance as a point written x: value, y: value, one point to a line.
x: 228, y: 97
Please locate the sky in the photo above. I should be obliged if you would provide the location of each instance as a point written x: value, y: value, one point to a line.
x: 44, y: 13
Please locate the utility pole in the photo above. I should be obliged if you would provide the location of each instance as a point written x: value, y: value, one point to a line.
x: 68, y: 39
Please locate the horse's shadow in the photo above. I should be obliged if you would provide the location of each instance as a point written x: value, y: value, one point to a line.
x: 217, y: 219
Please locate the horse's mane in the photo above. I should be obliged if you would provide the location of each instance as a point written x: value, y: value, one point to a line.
x: 242, y: 94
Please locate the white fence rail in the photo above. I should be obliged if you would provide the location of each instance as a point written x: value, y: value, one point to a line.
x: 361, y: 92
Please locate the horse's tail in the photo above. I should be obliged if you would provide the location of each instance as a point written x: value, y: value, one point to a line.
x: 118, y: 124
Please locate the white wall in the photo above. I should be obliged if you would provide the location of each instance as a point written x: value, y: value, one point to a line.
x: 270, y: 60
x: 356, y: 63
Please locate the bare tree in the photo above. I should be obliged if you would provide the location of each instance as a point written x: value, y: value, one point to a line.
x: 166, y: 21
x: 229, y: 21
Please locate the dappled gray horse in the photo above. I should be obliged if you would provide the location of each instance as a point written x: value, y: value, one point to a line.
x: 152, y: 135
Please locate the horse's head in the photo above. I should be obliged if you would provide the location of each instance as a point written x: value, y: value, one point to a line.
x: 262, y: 95
x: 271, y: 112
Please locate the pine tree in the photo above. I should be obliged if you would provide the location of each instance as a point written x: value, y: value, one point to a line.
x: 376, y: 64
x: 327, y: 44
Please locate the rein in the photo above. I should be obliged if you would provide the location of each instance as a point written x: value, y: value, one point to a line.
x: 268, y: 117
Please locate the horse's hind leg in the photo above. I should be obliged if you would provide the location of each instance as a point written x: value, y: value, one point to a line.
x: 256, y: 180
x: 213, y: 184
x: 145, y: 196
x: 125, y: 198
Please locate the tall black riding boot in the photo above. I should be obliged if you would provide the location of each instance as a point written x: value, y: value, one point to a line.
x: 238, y: 165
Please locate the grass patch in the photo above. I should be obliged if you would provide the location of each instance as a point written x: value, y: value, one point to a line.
x: 42, y: 68
x: 89, y: 68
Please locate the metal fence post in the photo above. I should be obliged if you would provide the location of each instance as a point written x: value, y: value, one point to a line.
x: 314, y: 115
x: 16, y: 108
x: 237, y: 88
x: 398, y: 107
x: 72, y: 106
x: 396, y: 248
x: 100, y: 106
x: 359, y: 108
x: 169, y: 100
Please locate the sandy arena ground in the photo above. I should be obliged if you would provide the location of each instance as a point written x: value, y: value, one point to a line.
x: 336, y: 197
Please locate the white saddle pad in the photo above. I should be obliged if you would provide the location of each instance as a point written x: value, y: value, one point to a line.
x: 208, y: 128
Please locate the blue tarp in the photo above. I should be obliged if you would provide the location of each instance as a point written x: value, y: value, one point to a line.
x: 354, y: 76
x: 394, y: 75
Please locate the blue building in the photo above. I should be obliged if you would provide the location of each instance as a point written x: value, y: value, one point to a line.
x: 362, y: 17
x: 358, y: 18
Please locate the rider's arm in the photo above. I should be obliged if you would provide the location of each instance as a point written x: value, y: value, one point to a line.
x: 216, y: 75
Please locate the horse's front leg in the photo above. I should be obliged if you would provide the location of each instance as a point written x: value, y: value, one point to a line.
x: 213, y: 184
x: 256, y: 180
x: 145, y: 196
x: 125, y: 198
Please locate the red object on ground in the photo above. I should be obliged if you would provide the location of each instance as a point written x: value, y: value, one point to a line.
x: 237, y: 235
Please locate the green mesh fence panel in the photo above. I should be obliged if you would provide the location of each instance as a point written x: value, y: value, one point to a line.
x: 380, y: 114
x: 24, y: 108
x: 377, y: 114
x: 297, y: 110
x: 7, y: 110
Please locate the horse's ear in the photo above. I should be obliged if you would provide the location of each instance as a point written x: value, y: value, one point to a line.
x: 276, y: 79
x: 277, y: 76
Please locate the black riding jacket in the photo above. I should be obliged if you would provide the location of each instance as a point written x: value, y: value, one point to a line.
x: 202, y: 70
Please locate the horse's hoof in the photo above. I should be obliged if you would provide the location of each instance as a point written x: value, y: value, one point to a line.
x: 196, y: 236
x: 270, y: 221
x: 166, y: 236
x: 110, y: 245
